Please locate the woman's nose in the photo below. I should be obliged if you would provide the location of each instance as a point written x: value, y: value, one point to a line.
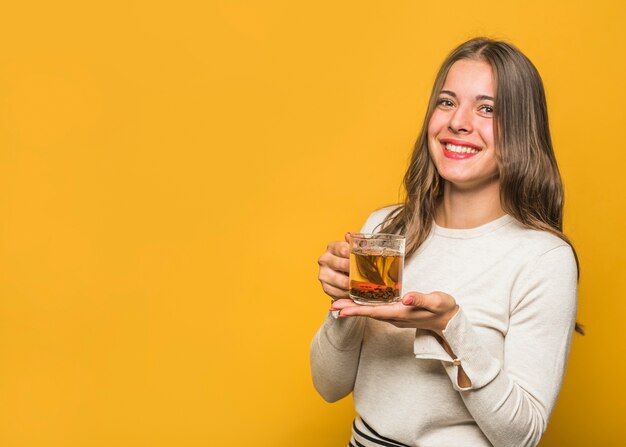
x: 461, y: 121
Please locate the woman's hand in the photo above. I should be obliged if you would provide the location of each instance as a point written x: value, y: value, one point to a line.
x: 431, y: 311
x: 334, y: 268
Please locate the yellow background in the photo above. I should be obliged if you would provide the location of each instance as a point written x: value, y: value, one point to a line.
x: 171, y: 171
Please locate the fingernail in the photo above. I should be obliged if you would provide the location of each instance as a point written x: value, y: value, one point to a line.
x: 407, y: 300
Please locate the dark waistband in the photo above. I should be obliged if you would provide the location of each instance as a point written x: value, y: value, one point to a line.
x: 371, y: 435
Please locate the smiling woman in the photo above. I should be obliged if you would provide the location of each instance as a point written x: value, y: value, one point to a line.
x: 475, y: 352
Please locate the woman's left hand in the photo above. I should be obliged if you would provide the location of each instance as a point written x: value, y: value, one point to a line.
x: 431, y: 311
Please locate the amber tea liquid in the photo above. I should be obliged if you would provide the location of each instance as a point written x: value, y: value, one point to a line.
x: 375, y: 275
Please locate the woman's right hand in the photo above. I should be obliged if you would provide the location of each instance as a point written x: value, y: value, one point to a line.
x: 334, y: 269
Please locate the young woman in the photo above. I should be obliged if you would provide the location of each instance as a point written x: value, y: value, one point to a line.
x: 474, y: 353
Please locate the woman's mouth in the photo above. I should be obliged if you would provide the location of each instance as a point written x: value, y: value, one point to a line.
x: 458, y: 151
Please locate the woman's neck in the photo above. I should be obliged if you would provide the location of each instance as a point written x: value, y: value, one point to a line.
x: 469, y: 208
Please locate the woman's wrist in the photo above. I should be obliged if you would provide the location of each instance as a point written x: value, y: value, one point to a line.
x: 444, y: 320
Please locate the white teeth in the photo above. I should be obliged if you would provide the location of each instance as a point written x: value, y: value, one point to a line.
x: 461, y: 149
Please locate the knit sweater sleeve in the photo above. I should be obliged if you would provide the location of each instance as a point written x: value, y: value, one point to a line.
x: 335, y: 352
x: 512, y: 402
x: 336, y: 347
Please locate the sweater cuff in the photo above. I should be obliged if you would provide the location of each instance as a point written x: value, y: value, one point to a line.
x: 478, y: 364
x: 426, y: 346
x: 344, y: 334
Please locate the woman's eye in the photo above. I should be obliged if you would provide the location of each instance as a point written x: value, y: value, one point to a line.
x: 445, y: 102
x: 486, y: 109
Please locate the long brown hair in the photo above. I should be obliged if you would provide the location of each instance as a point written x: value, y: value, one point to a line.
x: 530, y: 183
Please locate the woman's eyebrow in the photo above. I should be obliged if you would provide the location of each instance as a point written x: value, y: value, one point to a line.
x: 478, y: 97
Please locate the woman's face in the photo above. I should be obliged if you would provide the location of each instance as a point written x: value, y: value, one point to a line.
x: 460, y: 132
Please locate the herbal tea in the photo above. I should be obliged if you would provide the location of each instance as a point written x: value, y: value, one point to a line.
x: 375, y: 275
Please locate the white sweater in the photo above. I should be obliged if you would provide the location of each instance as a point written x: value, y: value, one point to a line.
x: 517, y: 294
